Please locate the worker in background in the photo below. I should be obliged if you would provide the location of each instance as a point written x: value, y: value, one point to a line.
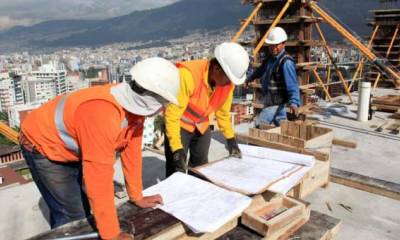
x: 206, y: 86
x: 278, y: 78
x: 70, y: 145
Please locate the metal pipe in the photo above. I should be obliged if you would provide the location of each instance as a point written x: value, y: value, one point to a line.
x: 363, y: 101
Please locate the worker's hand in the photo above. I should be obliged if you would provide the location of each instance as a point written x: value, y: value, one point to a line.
x: 149, y: 201
x: 294, y: 110
x: 233, y: 148
x: 179, y: 158
x: 124, y: 236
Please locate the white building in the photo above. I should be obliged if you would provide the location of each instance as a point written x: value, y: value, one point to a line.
x: 7, y: 97
x: 39, y: 90
x: 53, y: 71
x: 18, y: 90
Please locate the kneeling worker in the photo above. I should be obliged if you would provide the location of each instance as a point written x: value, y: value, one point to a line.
x: 70, y: 144
x: 206, y: 86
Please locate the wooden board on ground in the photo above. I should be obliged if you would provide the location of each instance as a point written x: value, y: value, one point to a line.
x: 275, y: 218
x: 365, y: 183
x: 344, y: 143
x: 388, y: 100
x: 318, y: 227
x: 387, y: 103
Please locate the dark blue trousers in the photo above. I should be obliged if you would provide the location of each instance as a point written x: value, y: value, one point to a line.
x: 60, y: 185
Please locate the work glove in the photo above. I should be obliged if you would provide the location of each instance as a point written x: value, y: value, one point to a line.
x: 233, y: 148
x: 293, y: 114
x: 179, y: 157
x: 294, y: 110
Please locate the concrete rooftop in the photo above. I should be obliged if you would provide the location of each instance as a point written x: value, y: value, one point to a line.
x: 24, y: 213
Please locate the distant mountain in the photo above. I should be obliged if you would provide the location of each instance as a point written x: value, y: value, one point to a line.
x: 167, y: 22
x: 172, y: 21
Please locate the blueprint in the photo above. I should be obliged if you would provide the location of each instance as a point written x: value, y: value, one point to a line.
x: 202, y: 206
x: 260, y: 169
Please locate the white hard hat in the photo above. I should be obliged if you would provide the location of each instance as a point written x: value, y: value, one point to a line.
x: 159, y: 76
x: 234, y: 60
x: 276, y: 36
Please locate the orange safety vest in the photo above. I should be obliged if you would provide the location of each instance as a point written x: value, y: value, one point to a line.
x: 201, y: 105
x: 55, y: 137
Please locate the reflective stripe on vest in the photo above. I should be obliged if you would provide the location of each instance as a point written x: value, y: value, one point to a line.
x: 67, y: 139
x: 199, y: 125
x: 201, y: 105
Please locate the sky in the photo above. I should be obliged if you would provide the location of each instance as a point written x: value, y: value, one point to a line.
x: 28, y: 12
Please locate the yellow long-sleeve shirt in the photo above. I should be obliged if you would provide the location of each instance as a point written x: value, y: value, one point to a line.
x: 173, y: 113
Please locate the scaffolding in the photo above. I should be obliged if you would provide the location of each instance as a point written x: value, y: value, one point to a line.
x: 384, y: 41
x: 298, y: 19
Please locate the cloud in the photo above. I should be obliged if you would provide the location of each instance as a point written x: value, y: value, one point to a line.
x: 41, y: 10
x: 7, y: 22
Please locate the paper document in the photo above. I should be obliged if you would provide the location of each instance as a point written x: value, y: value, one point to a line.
x: 260, y: 169
x: 202, y: 206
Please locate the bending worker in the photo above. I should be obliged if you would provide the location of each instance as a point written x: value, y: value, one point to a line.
x: 70, y: 144
x: 206, y: 86
x: 278, y: 79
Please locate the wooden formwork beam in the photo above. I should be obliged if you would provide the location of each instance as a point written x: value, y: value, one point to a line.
x: 321, y: 83
x: 329, y: 52
x: 360, y: 66
x: 244, y: 26
x: 376, y: 81
x: 392, y: 42
x: 346, y: 34
x: 274, y: 23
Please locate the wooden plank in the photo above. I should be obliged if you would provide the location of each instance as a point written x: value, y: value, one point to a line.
x: 393, y: 100
x: 303, y: 132
x: 279, y: 146
x: 320, y: 142
x: 365, y: 183
x: 316, y: 178
x: 275, y: 137
x: 344, y: 143
x: 382, y: 107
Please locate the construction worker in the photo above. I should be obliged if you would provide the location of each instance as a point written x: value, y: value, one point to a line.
x: 206, y: 86
x: 278, y: 79
x: 70, y: 144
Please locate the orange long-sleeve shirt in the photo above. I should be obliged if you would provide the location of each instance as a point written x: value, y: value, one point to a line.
x: 98, y: 131
x: 99, y: 135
